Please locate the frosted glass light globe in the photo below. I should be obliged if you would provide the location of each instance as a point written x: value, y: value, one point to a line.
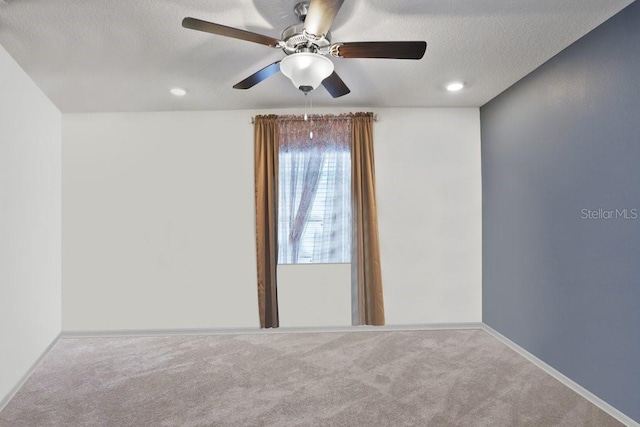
x: 306, y: 70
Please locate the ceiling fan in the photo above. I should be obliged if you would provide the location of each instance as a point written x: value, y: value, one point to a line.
x: 307, y: 45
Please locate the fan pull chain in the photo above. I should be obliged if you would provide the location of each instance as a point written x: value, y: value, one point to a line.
x: 308, y: 108
x: 306, y: 117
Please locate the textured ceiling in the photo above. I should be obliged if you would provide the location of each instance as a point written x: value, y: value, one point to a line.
x: 125, y: 55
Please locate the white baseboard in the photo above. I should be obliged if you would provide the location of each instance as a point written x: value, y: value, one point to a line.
x: 282, y: 330
x: 5, y: 400
x: 615, y: 413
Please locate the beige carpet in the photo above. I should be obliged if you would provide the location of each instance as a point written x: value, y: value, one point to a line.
x: 426, y: 378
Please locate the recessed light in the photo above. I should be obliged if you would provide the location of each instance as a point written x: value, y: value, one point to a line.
x: 178, y: 91
x: 455, y: 86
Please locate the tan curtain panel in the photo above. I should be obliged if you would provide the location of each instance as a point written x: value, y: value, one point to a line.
x: 365, y: 250
x: 365, y: 260
x: 266, y: 178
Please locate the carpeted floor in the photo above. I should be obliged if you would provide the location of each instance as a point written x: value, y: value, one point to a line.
x: 426, y: 378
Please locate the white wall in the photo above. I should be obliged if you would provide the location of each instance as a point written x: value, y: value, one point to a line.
x: 430, y: 214
x: 158, y: 223
x: 314, y: 295
x: 30, y: 144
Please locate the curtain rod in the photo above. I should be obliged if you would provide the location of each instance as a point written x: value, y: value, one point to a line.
x: 253, y: 119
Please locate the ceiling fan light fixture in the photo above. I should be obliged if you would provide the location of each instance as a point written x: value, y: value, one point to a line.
x: 306, y: 70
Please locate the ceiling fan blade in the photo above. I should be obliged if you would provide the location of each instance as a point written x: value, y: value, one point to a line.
x: 320, y: 16
x: 258, y: 76
x: 335, y: 86
x: 391, y: 50
x: 223, y: 30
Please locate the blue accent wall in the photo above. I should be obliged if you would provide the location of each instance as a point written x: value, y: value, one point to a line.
x: 561, y: 272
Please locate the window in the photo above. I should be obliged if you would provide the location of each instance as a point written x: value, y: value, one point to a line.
x: 314, y: 186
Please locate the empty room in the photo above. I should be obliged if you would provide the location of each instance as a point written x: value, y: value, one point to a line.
x: 327, y: 212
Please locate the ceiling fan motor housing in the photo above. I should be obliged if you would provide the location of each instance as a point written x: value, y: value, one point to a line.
x: 294, y: 40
